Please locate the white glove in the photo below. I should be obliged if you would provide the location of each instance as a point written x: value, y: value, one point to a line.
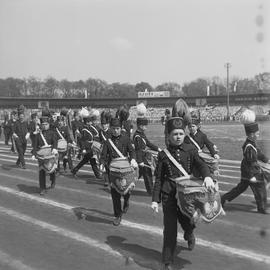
x: 209, y: 183
x: 159, y: 149
x: 216, y: 156
x: 15, y: 136
x: 253, y: 179
x: 141, y: 164
x: 134, y: 164
x: 27, y: 135
x: 33, y: 157
x: 83, y: 151
x: 102, y: 168
x: 77, y: 131
x: 154, y: 206
x: 54, y: 151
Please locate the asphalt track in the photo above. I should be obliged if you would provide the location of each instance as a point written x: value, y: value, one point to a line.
x: 70, y: 227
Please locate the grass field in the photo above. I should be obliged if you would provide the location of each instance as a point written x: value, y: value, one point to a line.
x: 228, y: 137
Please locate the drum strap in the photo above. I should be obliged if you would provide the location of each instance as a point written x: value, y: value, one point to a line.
x: 176, y: 164
x: 43, y: 139
x: 89, y: 133
x: 195, y: 143
x: 59, y: 133
x: 251, y: 146
x: 94, y: 130
x: 138, y: 136
x: 116, y: 149
x: 103, y: 136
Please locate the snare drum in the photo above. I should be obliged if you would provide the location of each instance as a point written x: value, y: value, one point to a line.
x: 62, y: 145
x: 47, y: 161
x: 211, y: 162
x: 195, y: 201
x: 122, y: 175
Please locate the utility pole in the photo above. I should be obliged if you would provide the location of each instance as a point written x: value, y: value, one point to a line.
x: 227, y: 66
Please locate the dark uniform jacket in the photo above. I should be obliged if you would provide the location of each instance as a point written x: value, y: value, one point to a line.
x: 141, y: 143
x: 21, y: 129
x: 50, y: 137
x: 10, y: 125
x: 123, y: 143
x: 249, y: 165
x: 187, y: 156
x: 104, y: 135
x: 76, y: 125
x: 32, y: 127
x: 127, y: 126
x: 202, y: 140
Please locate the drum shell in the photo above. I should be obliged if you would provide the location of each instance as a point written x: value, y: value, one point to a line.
x: 62, y: 145
x: 122, y: 175
x: 44, y: 152
x: 196, y: 201
x: 265, y: 167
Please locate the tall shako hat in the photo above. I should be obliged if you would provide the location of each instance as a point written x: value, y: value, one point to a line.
x: 105, y: 117
x: 64, y: 111
x: 84, y: 114
x: 45, y: 115
x: 175, y: 123
x: 141, y: 115
x: 181, y: 109
x: 123, y: 113
x: 20, y: 109
x: 248, y: 118
x: 94, y: 114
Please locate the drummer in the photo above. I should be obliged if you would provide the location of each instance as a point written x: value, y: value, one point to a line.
x: 105, y: 133
x: 51, y: 139
x: 62, y: 132
x: 165, y: 189
x: 200, y: 139
x: 123, y: 144
x: 141, y: 143
x: 251, y: 173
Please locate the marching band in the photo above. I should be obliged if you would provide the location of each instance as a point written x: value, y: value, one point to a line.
x: 181, y: 177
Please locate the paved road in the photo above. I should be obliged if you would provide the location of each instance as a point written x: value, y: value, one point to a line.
x: 50, y: 233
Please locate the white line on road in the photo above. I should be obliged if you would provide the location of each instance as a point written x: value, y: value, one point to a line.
x: 9, y: 261
x: 147, y: 228
x: 64, y: 232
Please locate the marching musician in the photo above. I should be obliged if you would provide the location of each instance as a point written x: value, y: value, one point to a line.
x: 20, y: 136
x: 77, y: 126
x: 62, y: 132
x: 8, y: 130
x: 165, y: 189
x: 126, y: 124
x: 50, y: 138
x: 123, y: 144
x: 89, y: 134
x: 34, y: 128
x: 105, y: 133
x: 251, y: 173
x: 141, y: 143
x: 200, y: 139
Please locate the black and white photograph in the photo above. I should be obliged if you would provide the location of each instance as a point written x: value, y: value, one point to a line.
x: 134, y: 134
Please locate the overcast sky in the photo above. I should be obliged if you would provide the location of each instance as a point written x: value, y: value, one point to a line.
x: 134, y: 40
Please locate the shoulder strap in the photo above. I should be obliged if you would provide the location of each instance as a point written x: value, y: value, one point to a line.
x: 59, y: 133
x: 249, y: 144
x: 103, y: 136
x: 176, y: 164
x: 195, y: 143
x: 116, y: 149
x: 140, y: 137
x: 43, y: 139
x: 94, y: 129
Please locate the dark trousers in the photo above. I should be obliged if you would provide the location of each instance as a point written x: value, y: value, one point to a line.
x: 42, y: 179
x: 117, y: 205
x: 147, y: 177
x: 258, y: 189
x: 66, y: 159
x: 7, y: 134
x: 21, y: 148
x: 172, y: 213
x: 88, y: 157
